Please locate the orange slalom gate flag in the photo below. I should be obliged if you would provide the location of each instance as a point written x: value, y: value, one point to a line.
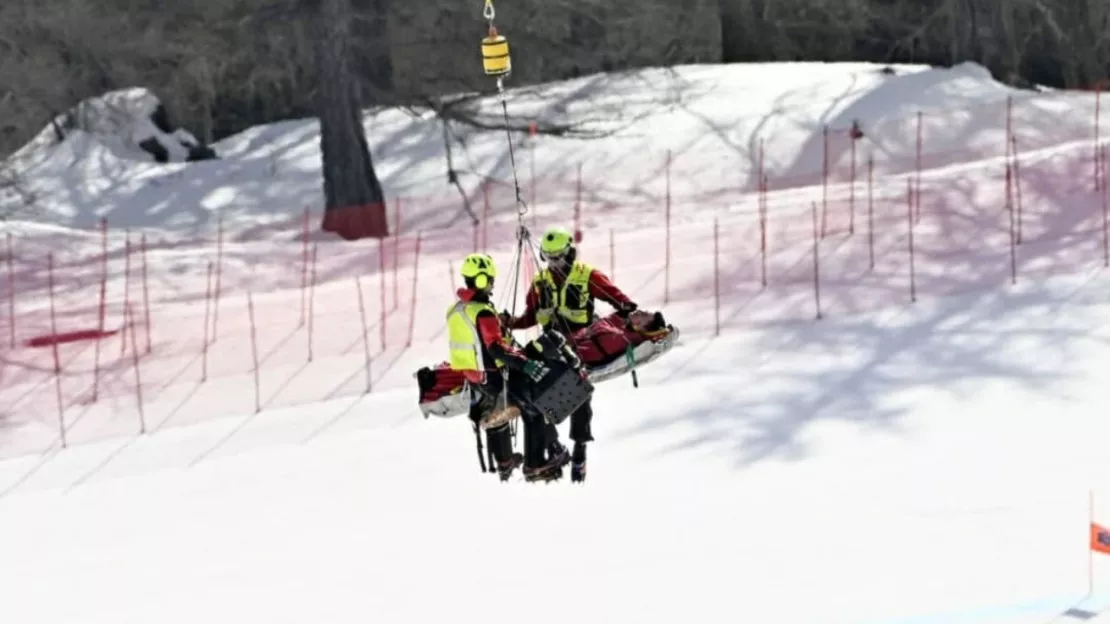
x: 1100, y: 539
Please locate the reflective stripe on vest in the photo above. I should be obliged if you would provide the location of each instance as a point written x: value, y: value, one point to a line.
x: 463, y: 340
x: 579, y: 279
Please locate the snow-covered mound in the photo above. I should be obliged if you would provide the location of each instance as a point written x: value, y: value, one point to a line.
x: 120, y: 122
x: 98, y: 142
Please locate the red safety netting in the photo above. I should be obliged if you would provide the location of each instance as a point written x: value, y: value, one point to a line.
x: 104, y: 323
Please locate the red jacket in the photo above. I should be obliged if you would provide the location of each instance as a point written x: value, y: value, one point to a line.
x: 601, y: 287
x: 494, y: 343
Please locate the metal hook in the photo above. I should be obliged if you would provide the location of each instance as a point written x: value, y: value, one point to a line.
x: 488, y: 12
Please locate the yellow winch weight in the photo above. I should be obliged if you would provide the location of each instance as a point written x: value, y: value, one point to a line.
x: 495, y: 55
x: 495, y: 48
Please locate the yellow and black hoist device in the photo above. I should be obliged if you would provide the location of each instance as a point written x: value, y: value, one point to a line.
x: 495, y: 49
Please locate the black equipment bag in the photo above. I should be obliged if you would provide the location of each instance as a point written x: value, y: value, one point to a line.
x: 564, y: 389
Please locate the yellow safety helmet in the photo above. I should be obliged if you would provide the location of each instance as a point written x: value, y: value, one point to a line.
x: 556, y: 243
x: 480, y: 270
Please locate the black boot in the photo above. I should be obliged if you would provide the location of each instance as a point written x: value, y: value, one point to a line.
x: 505, y: 468
x: 552, y: 469
x: 578, y: 463
x: 557, y: 455
x: 501, y: 443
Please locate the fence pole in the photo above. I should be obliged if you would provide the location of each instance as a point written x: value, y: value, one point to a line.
x: 716, y: 279
x: 397, y: 202
x: 381, y: 267
x: 207, y: 314
x: 871, y: 209
x: 667, y: 259
x: 135, y: 363
x: 918, y: 166
x: 312, y: 300
x: 397, y: 258
x: 126, y: 290
x: 1009, y: 124
x: 1099, y: 154
x: 816, y: 264
x: 761, y: 175
x: 146, y: 295
x: 11, y: 289
x: 1013, y: 232
x: 824, y: 181
x: 451, y: 274
x: 415, y: 287
x: 1105, y: 216
x: 763, y: 230
x: 102, y: 307
x: 910, y: 223
x: 57, y: 357
x: 1017, y: 188
x: 852, y: 190
x: 304, y: 269
x: 365, y: 334
x: 219, y: 273
x: 254, y: 354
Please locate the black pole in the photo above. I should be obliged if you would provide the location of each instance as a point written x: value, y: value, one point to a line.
x: 478, y: 441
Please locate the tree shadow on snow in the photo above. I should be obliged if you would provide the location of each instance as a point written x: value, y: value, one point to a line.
x: 853, y: 369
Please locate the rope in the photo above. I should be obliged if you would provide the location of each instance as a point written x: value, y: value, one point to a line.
x: 489, y: 13
x: 522, y: 234
x: 522, y: 208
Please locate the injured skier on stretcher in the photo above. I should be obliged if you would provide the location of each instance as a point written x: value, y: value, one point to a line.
x: 610, y: 347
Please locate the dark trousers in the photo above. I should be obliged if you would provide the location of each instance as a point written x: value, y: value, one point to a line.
x: 539, y: 435
x: 483, y: 400
x: 580, y: 431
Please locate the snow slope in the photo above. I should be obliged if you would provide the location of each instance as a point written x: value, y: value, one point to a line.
x: 894, y: 462
x: 929, y: 464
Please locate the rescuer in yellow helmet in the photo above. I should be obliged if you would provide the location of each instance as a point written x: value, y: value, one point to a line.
x: 479, y: 348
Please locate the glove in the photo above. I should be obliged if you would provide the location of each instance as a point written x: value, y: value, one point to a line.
x: 506, y: 319
x: 572, y: 358
x: 624, y: 309
x: 535, y: 370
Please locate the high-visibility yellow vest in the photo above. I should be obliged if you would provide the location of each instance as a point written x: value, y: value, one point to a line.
x: 572, y: 301
x: 464, y: 342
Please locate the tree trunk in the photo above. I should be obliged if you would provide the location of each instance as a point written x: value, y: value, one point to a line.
x: 372, y: 60
x: 354, y: 203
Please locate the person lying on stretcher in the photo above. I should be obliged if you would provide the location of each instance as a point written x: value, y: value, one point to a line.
x: 563, y: 296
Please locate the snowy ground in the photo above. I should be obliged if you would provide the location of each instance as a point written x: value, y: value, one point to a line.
x: 894, y: 462
x: 930, y: 464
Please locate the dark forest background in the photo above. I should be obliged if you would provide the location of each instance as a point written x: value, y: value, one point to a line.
x: 223, y: 65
